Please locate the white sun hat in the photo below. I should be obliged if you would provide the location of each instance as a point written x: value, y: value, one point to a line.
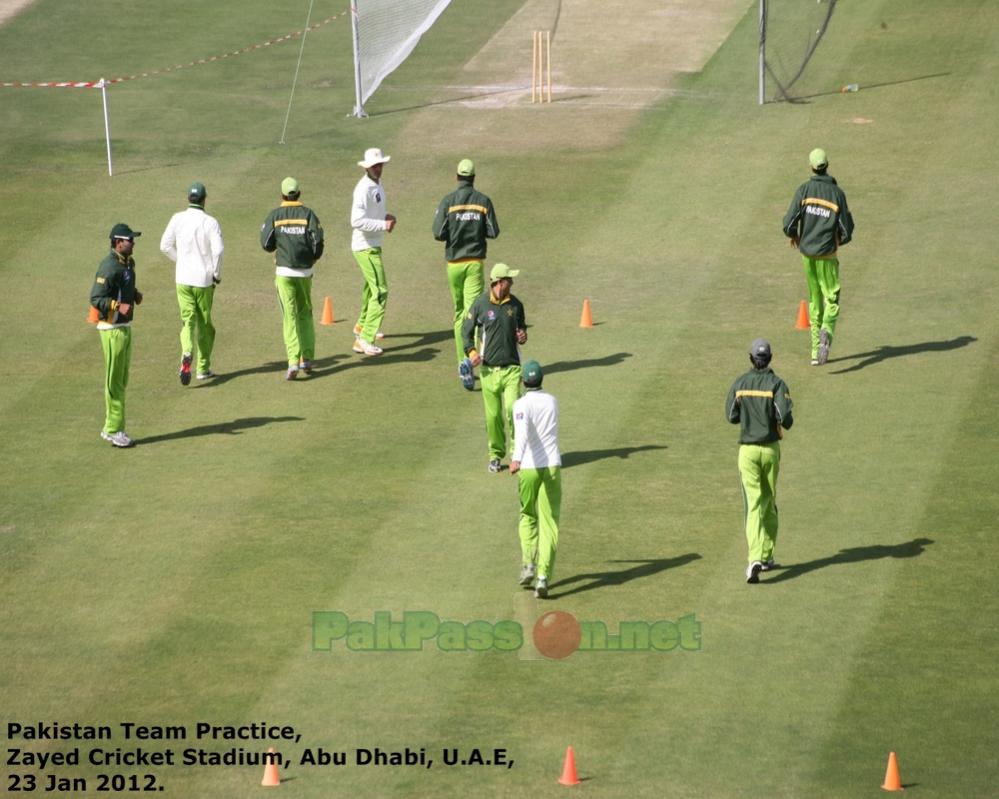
x: 374, y: 156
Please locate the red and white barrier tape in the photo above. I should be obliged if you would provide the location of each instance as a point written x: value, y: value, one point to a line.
x: 94, y: 84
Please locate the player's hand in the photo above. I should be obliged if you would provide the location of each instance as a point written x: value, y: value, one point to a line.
x: 389, y: 223
x: 793, y: 242
x: 473, y: 356
x: 514, y: 467
x: 123, y: 308
x: 138, y: 297
x: 521, y: 335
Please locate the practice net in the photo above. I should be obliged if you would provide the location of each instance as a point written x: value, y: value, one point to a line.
x: 385, y: 33
x: 790, y: 31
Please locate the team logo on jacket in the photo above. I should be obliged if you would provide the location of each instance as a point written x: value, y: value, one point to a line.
x: 378, y: 197
x: 490, y: 314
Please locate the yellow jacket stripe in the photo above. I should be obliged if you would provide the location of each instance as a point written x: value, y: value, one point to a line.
x: 753, y: 393
x: 282, y: 222
x: 458, y: 208
x: 824, y: 203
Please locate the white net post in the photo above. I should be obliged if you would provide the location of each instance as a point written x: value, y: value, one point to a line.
x: 103, y: 84
x: 355, y: 27
x: 763, y: 50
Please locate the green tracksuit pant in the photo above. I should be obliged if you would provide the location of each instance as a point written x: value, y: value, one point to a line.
x: 117, y: 346
x: 466, y: 282
x: 822, y: 275
x: 759, y: 465
x: 196, y: 323
x: 374, y: 295
x: 500, y: 389
x: 295, y: 297
x: 540, y: 503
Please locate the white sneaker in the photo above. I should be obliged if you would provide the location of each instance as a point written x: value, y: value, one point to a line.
x: 119, y: 439
x: 206, y: 375
x: 753, y: 572
x: 379, y: 335
x: 541, y: 588
x: 527, y: 574
x: 366, y: 348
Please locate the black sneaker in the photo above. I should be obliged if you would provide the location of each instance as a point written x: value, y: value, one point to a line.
x: 466, y: 375
x: 185, y: 370
x: 753, y: 572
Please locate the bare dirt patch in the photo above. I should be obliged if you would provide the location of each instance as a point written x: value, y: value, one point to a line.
x: 10, y: 8
x: 610, y: 60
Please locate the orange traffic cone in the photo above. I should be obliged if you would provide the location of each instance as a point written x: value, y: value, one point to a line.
x: 327, y: 312
x: 803, y: 323
x: 893, y: 782
x: 94, y: 316
x: 586, y: 320
x: 569, y: 769
x: 271, y: 778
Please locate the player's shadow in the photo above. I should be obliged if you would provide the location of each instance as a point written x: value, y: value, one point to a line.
x: 273, y: 367
x: 233, y: 428
x: 422, y: 339
x: 642, y: 568
x: 590, y: 455
x: 910, y: 549
x: 586, y: 363
x: 389, y: 356
x: 887, y: 351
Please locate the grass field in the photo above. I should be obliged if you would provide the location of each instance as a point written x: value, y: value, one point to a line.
x: 174, y: 583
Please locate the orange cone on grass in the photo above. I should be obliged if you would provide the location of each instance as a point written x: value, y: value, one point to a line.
x: 803, y: 323
x: 327, y: 312
x: 94, y: 316
x: 569, y: 769
x: 586, y: 320
x: 271, y: 777
x: 893, y: 781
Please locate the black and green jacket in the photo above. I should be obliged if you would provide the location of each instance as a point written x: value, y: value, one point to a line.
x: 760, y: 401
x: 114, y: 284
x: 498, y: 322
x: 818, y: 217
x: 464, y: 220
x: 293, y: 233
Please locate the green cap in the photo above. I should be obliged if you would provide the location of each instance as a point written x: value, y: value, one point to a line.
x: 466, y: 168
x: 123, y: 231
x: 289, y: 187
x: 817, y: 158
x: 500, y: 271
x: 531, y: 374
x: 196, y: 193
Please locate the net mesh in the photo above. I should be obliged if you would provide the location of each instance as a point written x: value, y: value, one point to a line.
x: 386, y: 31
x: 790, y: 32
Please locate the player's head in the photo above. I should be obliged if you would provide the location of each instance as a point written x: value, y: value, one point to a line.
x: 290, y: 190
x: 760, y: 353
x: 531, y: 374
x: 373, y: 162
x: 818, y: 161
x: 123, y: 238
x: 196, y: 193
x: 501, y: 279
x: 466, y: 170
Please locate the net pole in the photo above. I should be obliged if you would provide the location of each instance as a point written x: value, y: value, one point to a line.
x: 763, y: 50
x: 359, y: 111
x: 107, y: 122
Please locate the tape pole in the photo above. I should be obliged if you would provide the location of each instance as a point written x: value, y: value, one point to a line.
x: 294, y: 82
x: 107, y: 122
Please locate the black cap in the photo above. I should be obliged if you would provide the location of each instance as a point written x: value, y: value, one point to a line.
x: 123, y: 231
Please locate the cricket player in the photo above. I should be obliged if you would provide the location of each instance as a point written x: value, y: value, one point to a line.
x: 760, y: 402
x: 370, y: 222
x: 193, y: 241
x: 294, y: 234
x: 115, y: 296
x: 498, y: 316
x: 465, y: 218
x: 537, y: 462
x: 818, y: 222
